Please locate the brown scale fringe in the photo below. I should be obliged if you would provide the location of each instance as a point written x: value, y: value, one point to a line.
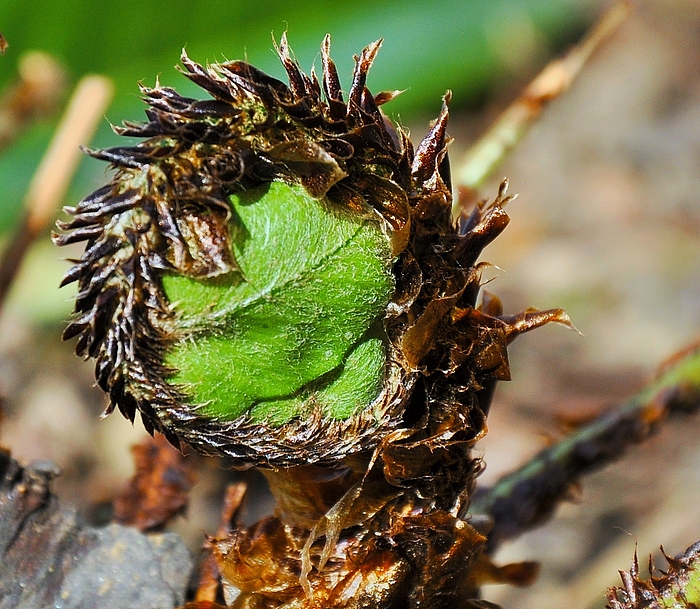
x: 662, y: 587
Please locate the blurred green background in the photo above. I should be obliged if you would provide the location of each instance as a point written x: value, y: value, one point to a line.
x: 469, y: 46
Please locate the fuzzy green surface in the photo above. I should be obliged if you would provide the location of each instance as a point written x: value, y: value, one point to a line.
x: 685, y: 592
x: 299, y: 326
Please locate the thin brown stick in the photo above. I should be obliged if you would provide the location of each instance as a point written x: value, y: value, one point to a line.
x: 527, y: 497
x: 209, y: 572
x: 556, y: 78
x: 51, y: 179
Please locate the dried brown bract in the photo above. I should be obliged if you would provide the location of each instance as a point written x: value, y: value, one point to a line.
x: 677, y: 587
x: 159, y: 490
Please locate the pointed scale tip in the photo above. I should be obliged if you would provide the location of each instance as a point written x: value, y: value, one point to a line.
x: 362, y: 65
x: 294, y: 73
x: 503, y: 197
x: 331, y: 81
x: 532, y: 318
x: 428, y: 151
x: 386, y: 96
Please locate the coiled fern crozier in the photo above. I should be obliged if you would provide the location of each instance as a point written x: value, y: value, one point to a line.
x: 274, y: 274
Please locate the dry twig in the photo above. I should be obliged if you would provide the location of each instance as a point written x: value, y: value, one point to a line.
x: 527, y: 497
x: 556, y: 78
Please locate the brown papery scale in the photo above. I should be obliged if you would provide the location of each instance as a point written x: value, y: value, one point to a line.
x: 368, y: 506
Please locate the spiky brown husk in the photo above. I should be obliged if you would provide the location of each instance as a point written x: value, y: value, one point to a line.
x: 166, y: 211
x: 677, y: 587
x: 381, y: 526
